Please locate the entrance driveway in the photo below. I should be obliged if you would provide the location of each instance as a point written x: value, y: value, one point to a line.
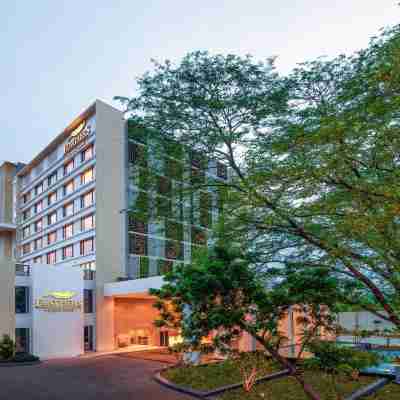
x: 100, y: 378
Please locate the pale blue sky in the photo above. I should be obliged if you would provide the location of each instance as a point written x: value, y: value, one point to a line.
x: 58, y: 56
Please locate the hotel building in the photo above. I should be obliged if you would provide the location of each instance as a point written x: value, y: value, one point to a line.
x: 88, y: 226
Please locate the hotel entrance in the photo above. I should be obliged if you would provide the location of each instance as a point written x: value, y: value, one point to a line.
x: 134, y: 322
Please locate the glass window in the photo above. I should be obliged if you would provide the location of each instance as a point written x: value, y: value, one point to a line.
x: 38, y: 244
x: 68, y: 209
x: 51, y: 237
x: 52, y: 218
x: 88, y: 301
x: 87, y: 223
x: 69, y: 188
x: 39, y: 206
x: 68, y: 231
x: 21, y: 299
x: 52, y: 198
x: 22, y: 340
x: 89, y: 270
x: 68, y: 168
x: 52, y: 257
x: 87, y: 176
x: 87, y: 199
x: 38, y: 225
x: 26, y: 214
x: 39, y: 189
x: 37, y: 260
x: 26, y: 248
x: 26, y: 231
x: 87, y: 154
x: 87, y: 246
x: 52, y: 179
x: 26, y: 197
x: 68, y: 252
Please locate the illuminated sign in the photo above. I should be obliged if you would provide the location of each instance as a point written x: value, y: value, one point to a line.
x: 77, y: 137
x: 60, y: 301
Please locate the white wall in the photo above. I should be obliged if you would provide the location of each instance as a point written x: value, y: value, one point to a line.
x: 57, y: 334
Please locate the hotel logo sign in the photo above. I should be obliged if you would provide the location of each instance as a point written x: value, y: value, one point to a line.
x: 77, y: 137
x: 61, y: 301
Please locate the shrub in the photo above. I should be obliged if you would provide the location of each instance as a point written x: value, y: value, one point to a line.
x: 332, y: 358
x: 25, y: 357
x: 7, y: 347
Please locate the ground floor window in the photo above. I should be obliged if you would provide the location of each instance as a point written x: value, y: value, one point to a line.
x: 22, y: 340
x: 88, y: 338
x: 164, y: 339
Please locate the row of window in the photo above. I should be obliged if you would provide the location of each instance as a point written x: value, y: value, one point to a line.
x: 86, y: 247
x: 85, y: 155
x: 22, y: 300
x: 68, y: 188
x: 68, y: 209
x: 86, y: 223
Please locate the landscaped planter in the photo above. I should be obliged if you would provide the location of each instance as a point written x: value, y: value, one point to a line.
x: 20, y: 360
x: 204, y: 394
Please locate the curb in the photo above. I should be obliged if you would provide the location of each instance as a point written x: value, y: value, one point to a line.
x: 18, y: 364
x: 370, y: 389
x: 205, y: 394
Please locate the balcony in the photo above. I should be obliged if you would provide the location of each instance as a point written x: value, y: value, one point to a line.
x: 22, y: 270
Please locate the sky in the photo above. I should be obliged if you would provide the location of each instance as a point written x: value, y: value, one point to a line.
x: 57, y: 57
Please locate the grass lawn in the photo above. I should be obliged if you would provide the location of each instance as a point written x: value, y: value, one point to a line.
x: 212, y: 376
x: 288, y: 389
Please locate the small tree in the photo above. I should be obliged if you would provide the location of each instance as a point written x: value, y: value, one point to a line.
x: 7, y: 347
x: 226, y: 297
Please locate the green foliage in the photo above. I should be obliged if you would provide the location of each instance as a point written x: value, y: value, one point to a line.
x: 333, y: 358
x: 7, y: 347
x: 313, y: 158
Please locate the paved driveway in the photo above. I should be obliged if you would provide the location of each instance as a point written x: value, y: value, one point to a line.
x: 108, y: 377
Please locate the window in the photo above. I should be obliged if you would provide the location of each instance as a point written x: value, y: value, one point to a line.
x: 37, y: 260
x: 52, y: 179
x: 68, y: 167
x: 38, y: 207
x: 26, y: 197
x: 87, y: 246
x: 52, y: 218
x: 22, y: 340
x: 26, y: 248
x: 21, y: 299
x: 52, y: 198
x: 26, y: 231
x: 39, y: 189
x: 51, y: 237
x: 87, y: 176
x: 68, y: 209
x: 137, y: 244
x: 68, y: 252
x: 69, y: 188
x: 89, y: 270
x: 26, y: 214
x: 51, y: 257
x: 38, y: 225
x: 88, y: 301
x: 38, y: 244
x: 87, y: 223
x: 87, y: 199
x: 87, y: 154
x: 68, y: 231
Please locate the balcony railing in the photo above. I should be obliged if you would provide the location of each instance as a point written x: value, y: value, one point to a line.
x: 89, y: 275
x: 22, y: 270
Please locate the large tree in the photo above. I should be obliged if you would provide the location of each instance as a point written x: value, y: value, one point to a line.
x: 314, y: 158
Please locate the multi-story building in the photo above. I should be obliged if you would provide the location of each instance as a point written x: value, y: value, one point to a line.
x: 99, y: 214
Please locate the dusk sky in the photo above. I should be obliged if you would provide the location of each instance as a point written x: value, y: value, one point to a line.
x: 57, y: 57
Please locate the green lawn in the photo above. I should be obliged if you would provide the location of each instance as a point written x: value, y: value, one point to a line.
x: 288, y: 389
x: 207, y: 377
x: 212, y: 376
